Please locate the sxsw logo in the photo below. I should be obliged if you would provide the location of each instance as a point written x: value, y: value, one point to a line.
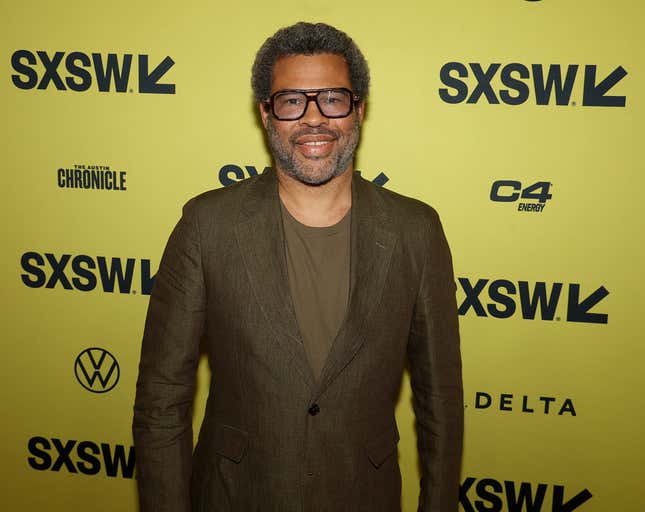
x: 515, y: 83
x: 85, y: 457
x: 231, y: 173
x: 491, y: 495
x: 86, y: 273
x: 502, y: 298
x: 97, y: 370
x: 77, y: 71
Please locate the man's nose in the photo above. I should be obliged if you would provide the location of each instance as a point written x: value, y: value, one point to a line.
x: 313, y: 116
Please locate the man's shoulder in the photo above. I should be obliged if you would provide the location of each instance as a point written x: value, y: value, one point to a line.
x: 399, y: 207
x: 226, y: 200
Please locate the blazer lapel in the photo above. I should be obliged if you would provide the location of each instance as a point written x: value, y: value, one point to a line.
x: 260, y: 237
x: 372, y: 242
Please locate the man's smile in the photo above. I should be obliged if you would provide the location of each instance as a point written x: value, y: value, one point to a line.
x: 315, y: 145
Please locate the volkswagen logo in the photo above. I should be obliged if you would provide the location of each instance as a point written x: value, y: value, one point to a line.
x: 97, y: 370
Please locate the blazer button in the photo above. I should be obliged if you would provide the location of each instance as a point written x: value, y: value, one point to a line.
x: 314, y: 409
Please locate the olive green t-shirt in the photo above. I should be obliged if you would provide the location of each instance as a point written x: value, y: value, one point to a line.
x: 318, y: 268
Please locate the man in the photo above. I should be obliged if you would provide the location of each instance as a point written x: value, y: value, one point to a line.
x: 310, y: 287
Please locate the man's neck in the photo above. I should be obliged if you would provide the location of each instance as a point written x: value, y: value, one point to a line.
x: 320, y: 205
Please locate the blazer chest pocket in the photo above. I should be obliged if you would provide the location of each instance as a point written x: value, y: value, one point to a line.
x: 381, y: 447
x: 227, y: 441
x: 220, y: 476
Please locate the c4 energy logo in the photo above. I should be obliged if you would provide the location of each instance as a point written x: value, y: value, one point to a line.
x: 515, y: 84
x: 231, y: 173
x: 510, y: 191
x: 490, y: 495
x: 86, y: 273
x: 77, y: 71
x: 502, y: 298
x: 86, y: 457
x: 97, y: 370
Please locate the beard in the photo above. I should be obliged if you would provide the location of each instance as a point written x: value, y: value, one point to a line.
x: 313, y: 171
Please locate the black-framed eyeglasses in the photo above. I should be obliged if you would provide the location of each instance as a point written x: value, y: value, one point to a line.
x: 291, y: 104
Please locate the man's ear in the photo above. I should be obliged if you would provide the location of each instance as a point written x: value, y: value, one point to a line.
x: 360, y: 111
x: 264, y: 113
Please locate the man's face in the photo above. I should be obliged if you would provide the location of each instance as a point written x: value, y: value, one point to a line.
x: 314, y: 148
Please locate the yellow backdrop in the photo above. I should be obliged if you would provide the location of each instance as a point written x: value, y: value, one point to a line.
x: 521, y: 122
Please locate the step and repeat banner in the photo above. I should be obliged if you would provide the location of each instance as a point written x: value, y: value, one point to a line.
x: 522, y: 122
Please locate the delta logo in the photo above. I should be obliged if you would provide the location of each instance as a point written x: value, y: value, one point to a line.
x: 541, y: 84
x: 79, y: 72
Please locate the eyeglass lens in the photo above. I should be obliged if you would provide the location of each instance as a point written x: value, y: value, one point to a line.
x: 332, y: 103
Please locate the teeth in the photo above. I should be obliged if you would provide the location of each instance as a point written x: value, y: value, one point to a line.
x: 315, y: 143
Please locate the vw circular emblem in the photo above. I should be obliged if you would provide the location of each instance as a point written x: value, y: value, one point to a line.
x: 97, y: 370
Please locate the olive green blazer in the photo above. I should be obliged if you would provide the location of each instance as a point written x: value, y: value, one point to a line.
x: 274, y: 439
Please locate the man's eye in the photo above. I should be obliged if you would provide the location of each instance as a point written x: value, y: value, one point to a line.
x: 334, y: 99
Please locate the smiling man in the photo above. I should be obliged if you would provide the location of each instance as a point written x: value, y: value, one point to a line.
x: 325, y: 142
x: 332, y: 285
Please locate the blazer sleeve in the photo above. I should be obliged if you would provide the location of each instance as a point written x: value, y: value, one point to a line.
x: 435, y: 374
x: 162, y: 424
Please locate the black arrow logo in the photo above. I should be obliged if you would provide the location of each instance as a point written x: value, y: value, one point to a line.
x: 148, y: 81
x: 572, y: 504
x: 578, y: 311
x: 381, y: 179
x: 595, y: 94
x: 147, y: 280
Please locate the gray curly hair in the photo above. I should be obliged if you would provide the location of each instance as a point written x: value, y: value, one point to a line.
x: 308, y: 39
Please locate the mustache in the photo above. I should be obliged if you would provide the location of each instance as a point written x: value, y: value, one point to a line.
x: 313, y: 131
